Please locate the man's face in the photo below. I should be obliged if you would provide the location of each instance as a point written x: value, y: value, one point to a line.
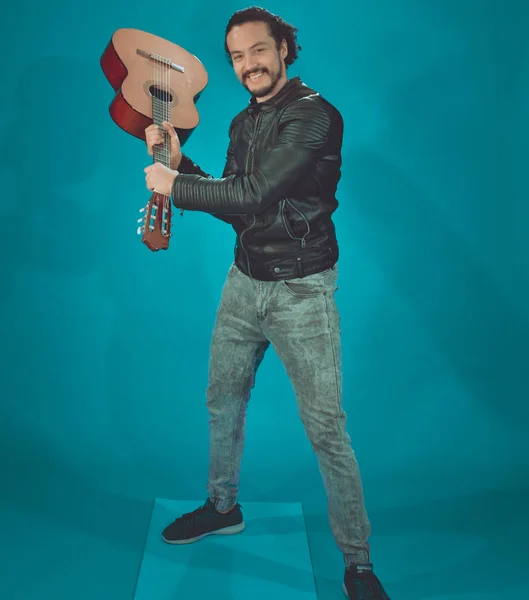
x: 258, y: 63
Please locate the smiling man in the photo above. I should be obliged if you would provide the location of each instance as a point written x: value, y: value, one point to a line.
x: 259, y: 65
x: 278, y: 193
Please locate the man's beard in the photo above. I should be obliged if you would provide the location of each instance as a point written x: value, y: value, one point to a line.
x: 259, y: 92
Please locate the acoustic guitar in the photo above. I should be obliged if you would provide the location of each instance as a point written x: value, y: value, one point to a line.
x: 155, y: 81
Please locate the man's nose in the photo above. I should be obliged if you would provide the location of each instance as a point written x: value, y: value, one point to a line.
x: 249, y: 63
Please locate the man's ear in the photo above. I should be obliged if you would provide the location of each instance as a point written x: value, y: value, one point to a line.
x: 284, y: 49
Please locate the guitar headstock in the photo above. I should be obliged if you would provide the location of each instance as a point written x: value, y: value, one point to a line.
x: 156, y: 222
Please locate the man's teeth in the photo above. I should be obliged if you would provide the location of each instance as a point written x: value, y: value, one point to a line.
x: 256, y: 75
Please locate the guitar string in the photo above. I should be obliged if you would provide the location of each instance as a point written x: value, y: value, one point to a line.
x: 164, y: 71
x: 158, y: 85
x: 166, y: 118
x: 156, y: 92
x: 155, y: 152
x: 161, y: 200
x: 168, y: 115
x: 161, y: 115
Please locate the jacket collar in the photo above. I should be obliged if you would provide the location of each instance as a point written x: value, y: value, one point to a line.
x: 289, y: 91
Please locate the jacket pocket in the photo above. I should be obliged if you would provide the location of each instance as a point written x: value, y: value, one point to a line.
x: 294, y: 221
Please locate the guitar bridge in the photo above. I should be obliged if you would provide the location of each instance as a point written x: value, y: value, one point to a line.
x: 160, y: 59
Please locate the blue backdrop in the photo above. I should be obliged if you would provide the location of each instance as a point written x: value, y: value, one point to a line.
x: 105, y: 345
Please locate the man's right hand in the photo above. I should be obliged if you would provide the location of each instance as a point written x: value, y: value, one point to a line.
x: 154, y: 136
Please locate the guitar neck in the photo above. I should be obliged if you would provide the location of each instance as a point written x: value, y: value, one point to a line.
x: 161, y: 111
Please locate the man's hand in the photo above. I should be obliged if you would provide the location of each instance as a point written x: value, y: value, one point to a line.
x: 159, y: 178
x: 154, y: 136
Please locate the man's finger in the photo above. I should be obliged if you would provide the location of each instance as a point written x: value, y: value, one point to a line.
x: 169, y: 128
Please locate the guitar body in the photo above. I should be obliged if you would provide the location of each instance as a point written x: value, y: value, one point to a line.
x: 154, y: 80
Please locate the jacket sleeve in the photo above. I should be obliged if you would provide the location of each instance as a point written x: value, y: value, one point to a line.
x: 304, y: 129
x: 188, y: 167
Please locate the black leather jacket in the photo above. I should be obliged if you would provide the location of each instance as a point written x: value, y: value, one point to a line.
x: 278, y: 186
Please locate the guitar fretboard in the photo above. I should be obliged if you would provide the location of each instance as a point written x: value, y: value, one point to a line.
x: 161, y: 110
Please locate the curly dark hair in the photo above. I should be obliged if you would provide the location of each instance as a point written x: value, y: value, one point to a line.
x: 279, y: 29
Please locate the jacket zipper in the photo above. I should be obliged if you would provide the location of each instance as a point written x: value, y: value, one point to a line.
x: 287, y: 226
x: 249, y: 164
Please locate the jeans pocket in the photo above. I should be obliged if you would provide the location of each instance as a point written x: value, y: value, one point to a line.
x: 312, y: 285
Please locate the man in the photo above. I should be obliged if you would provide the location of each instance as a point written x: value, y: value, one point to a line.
x: 278, y: 192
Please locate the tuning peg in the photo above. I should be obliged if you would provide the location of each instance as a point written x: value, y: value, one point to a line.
x: 140, y: 230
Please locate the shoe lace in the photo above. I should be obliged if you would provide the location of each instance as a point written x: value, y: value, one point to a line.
x: 191, y: 516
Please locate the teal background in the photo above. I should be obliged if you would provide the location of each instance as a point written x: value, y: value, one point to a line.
x: 105, y: 345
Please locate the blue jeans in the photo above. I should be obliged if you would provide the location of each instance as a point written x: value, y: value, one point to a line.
x: 299, y: 317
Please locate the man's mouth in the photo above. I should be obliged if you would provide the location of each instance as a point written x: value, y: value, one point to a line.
x: 255, y: 76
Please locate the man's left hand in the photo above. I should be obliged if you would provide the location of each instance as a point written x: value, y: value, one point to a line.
x: 160, y: 178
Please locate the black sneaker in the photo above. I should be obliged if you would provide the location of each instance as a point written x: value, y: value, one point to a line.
x: 203, y: 521
x: 360, y: 583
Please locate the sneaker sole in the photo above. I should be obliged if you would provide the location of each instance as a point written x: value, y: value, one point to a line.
x: 345, y: 591
x: 224, y: 531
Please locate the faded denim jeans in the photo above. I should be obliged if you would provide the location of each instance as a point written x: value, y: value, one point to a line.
x: 300, y: 319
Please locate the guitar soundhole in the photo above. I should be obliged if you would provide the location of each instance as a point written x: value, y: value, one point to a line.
x: 163, y: 95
